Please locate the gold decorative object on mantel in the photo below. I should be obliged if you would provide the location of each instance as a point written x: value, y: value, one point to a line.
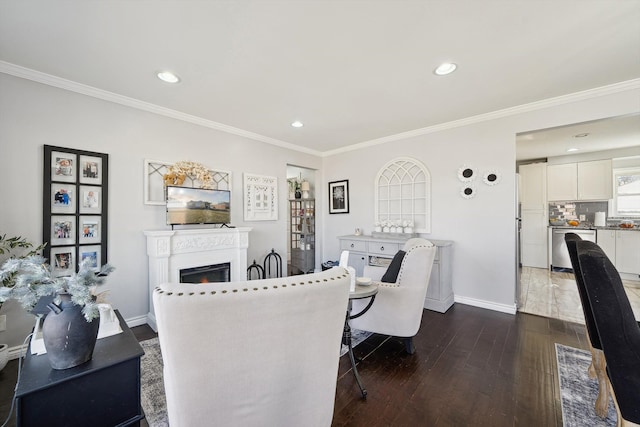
x: 177, y: 173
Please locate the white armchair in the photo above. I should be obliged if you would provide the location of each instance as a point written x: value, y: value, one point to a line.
x: 398, y: 307
x: 252, y: 353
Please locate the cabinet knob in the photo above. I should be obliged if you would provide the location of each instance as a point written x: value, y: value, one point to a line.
x: 382, y: 248
x: 352, y: 245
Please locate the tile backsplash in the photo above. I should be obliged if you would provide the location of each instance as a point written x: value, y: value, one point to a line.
x: 573, y: 210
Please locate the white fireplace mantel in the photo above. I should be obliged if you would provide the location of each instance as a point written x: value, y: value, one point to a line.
x: 170, y: 251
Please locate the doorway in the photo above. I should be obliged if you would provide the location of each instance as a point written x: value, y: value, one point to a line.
x: 539, y: 290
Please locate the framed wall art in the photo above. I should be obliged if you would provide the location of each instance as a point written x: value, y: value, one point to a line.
x: 74, y: 208
x: 260, y: 198
x: 339, y: 197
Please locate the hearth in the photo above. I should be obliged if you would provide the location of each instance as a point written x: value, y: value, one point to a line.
x: 206, y: 273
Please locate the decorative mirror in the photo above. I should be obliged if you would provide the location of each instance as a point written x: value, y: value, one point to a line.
x: 491, y: 178
x: 466, y: 174
x: 468, y: 191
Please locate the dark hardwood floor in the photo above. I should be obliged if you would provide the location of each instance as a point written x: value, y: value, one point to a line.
x: 472, y: 367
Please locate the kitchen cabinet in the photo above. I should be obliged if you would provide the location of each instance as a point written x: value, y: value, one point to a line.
x: 533, y: 186
x: 379, y: 251
x: 595, y: 180
x: 580, y: 181
x: 533, y: 214
x: 562, y: 182
x: 606, y: 239
x: 622, y: 247
x: 628, y: 251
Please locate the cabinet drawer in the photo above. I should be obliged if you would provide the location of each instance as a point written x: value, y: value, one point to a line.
x: 353, y: 245
x: 383, y: 248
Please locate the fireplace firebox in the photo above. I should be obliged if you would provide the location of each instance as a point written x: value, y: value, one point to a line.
x: 206, y: 273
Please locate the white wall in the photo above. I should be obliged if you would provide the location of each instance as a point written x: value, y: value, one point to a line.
x: 33, y: 114
x: 483, y: 228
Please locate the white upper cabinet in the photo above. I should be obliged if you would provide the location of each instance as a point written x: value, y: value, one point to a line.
x: 533, y: 186
x: 580, y: 181
x: 595, y: 180
x: 562, y: 182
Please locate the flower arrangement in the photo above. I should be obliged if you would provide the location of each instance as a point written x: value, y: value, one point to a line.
x: 32, y: 279
x: 177, y: 174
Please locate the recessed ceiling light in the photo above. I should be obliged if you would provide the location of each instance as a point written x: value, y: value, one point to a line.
x: 297, y: 124
x: 168, y: 76
x: 446, y: 68
x: 581, y: 135
x: 572, y: 149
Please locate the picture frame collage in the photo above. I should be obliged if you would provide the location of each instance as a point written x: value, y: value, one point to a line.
x: 75, y: 202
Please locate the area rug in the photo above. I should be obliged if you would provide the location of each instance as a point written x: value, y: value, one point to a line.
x: 578, y: 391
x: 152, y: 383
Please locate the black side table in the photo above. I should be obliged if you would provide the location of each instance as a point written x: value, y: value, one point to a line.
x: 360, y: 292
x: 102, y: 392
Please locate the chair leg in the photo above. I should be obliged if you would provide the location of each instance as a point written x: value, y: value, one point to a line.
x: 592, y: 369
x: 408, y: 345
x: 621, y: 421
x: 600, y: 366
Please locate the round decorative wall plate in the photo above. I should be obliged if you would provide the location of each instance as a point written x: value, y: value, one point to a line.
x: 466, y: 174
x: 491, y: 177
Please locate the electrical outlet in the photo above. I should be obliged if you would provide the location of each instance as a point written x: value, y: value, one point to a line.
x: 3, y: 322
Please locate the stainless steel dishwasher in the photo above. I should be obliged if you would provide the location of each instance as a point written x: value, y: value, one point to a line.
x: 559, y: 254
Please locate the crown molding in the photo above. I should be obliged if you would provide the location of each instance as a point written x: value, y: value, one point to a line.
x: 51, y: 80
x: 512, y: 111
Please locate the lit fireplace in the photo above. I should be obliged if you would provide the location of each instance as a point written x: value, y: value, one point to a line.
x: 206, y: 273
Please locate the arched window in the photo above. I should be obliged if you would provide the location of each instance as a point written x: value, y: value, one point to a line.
x: 403, y: 193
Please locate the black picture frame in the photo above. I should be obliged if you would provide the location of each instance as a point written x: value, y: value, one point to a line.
x: 339, y: 197
x: 75, y: 207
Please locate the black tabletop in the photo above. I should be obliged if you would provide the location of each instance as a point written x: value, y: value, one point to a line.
x: 37, y: 373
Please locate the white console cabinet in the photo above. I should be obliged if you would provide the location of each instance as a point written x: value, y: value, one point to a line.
x: 379, y: 251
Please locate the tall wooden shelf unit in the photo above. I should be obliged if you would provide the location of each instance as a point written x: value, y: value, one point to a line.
x: 302, y: 240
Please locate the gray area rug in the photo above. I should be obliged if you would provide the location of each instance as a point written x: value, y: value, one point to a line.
x: 578, y: 391
x: 152, y: 387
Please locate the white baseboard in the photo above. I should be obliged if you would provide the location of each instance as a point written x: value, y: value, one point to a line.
x: 136, y: 321
x: 151, y: 321
x: 503, y: 308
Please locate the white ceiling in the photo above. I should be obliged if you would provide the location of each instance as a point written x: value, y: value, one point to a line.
x: 606, y: 134
x: 351, y: 71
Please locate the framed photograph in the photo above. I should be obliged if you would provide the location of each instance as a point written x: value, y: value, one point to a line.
x: 63, y: 198
x: 89, y: 229
x: 63, y: 230
x: 92, y: 253
x: 90, y: 199
x: 63, y: 166
x: 90, y: 170
x: 339, y: 197
x: 63, y: 261
x: 75, y: 214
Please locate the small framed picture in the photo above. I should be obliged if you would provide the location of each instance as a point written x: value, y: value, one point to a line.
x: 93, y: 254
x: 63, y: 230
x: 90, y: 170
x: 339, y: 197
x: 63, y: 166
x: 90, y: 199
x: 89, y: 229
x: 63, y: 198
x: 63, y: 261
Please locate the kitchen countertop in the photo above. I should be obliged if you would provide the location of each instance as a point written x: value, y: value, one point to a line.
x: 591, y: 227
